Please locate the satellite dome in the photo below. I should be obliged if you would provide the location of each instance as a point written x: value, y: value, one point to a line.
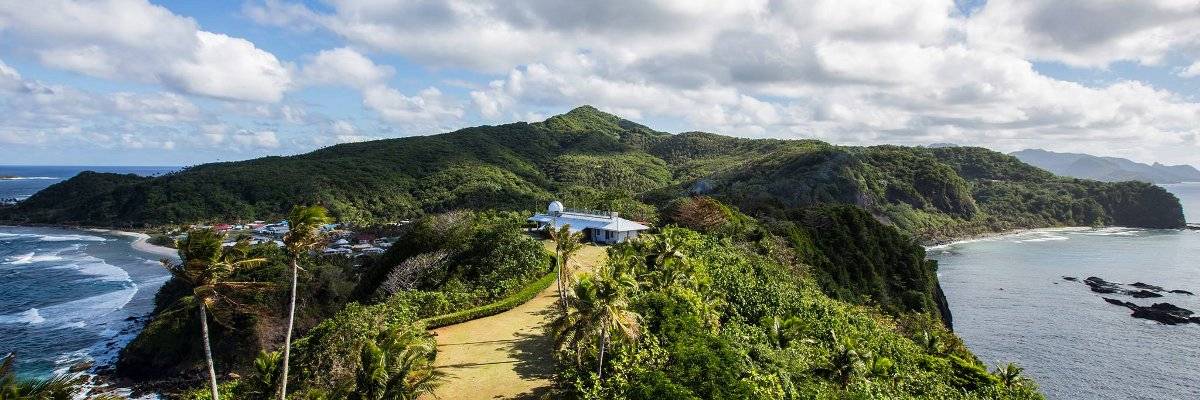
x: 555, y: 207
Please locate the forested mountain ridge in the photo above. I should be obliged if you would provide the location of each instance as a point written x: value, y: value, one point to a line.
x: 594, y: 159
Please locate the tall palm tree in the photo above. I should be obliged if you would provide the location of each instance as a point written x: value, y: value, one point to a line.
x: 205, y: 265
x: 304, y: 234
x: 566, y: 244
x: 398, y: 365
x: 601, y: 309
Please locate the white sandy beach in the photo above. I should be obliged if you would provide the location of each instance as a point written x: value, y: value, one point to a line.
x: 140, y: 243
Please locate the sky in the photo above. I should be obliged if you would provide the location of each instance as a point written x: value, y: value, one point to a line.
x: 137, y: 82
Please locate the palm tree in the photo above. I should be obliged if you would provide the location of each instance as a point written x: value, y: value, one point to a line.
x: 601, y: 308
x: 304, y: 234
x: 398, y: 365
x: 204, y: 267
x: 565, y: 246
x: 1011, y: 374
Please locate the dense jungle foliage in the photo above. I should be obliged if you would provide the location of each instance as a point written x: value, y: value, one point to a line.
x: 685, y: 315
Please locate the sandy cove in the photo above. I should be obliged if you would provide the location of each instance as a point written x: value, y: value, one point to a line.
x: 141, y: 243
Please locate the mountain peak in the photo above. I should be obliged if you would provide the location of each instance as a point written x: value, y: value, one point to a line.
x: 586, y: 118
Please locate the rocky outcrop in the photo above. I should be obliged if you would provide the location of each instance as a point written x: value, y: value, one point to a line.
x: 1164, y: 313
x: 1140, y: 290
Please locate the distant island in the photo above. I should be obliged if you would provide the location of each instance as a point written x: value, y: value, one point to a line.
x: 1107, y: 169
x: 8, y: 177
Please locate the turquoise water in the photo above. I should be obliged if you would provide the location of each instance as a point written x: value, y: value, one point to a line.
x: 1010, y: 303
x: 68, y: 295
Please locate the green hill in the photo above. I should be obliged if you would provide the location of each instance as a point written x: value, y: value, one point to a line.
x: 593, y: 159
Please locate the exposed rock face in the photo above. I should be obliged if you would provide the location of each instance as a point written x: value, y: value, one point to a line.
x: 1164, y: 313
x: 943, y: 306
x: 1180, y: 291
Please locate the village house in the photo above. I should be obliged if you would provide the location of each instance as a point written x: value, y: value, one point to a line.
x: 597, y: 226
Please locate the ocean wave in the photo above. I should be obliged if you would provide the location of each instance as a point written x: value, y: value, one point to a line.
x: 1043, y: 238
x: 28, y: 178
x: 27, y: 317
x: 1113, y: 231
x: 98, y: 269
x: 52, y: 238
x: 30, y: 258
x: 70, y: 238
x: 76, y: 311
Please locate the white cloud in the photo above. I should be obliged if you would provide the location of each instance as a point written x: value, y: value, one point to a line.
x: 1191, y: 71
x: 137, y: 41
x: 256, y: 139
x: 430, y: 105
x: 344, y: 66
x: 1087, y: 33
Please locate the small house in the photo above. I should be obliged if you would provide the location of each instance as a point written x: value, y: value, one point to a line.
x: 597, y: 226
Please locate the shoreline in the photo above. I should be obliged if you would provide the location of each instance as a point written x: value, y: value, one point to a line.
x: 141, y: 242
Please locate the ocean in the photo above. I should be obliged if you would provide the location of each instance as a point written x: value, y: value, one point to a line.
x: 66, y: 295
x: 71, y: 296
x: 1011, y: 304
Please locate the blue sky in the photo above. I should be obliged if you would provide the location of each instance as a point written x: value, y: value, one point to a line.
x: 131, y: 82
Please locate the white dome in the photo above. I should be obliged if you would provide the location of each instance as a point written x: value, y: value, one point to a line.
x: 555, y: 206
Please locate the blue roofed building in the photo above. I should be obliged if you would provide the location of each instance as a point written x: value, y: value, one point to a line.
x: 597, y: 226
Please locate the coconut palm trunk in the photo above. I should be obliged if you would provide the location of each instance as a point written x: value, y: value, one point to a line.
x: 212, y: 373
x: 603, y: 346
x: 287, y: 340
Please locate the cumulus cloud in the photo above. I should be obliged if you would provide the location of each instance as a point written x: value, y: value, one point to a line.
x: 1087, y: 33
x: 347, y: 67
x: 137, y: 41
x: 846, y: 71
x: 344, y: 66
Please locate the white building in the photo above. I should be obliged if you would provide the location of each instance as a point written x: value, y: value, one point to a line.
x: 597, y: 226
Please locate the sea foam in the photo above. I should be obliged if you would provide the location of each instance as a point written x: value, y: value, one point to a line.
x: 30, y: 316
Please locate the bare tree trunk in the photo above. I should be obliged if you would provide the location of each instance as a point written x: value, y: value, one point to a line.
x: 603, y: 346
x: 287, y: 340
x: 212, y: 372
x: 562, y: 283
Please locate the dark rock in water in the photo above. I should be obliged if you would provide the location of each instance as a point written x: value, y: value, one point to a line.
x: 1120, y: 302
x: 1102, y: 286
x: 1161, y: 317
x: 1070, y: 278
x: 1165, y: 313
x: 1180, y: 291
x: 1142, y: 294
x: 1147, y: 286
x: 1171, y: 308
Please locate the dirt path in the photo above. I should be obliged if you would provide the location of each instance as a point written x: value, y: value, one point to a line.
x: 507, y: 355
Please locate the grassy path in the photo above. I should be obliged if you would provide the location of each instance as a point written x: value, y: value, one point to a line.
x: 507, y: 355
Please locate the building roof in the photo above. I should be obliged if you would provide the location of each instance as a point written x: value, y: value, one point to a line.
x: 580, y: 221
